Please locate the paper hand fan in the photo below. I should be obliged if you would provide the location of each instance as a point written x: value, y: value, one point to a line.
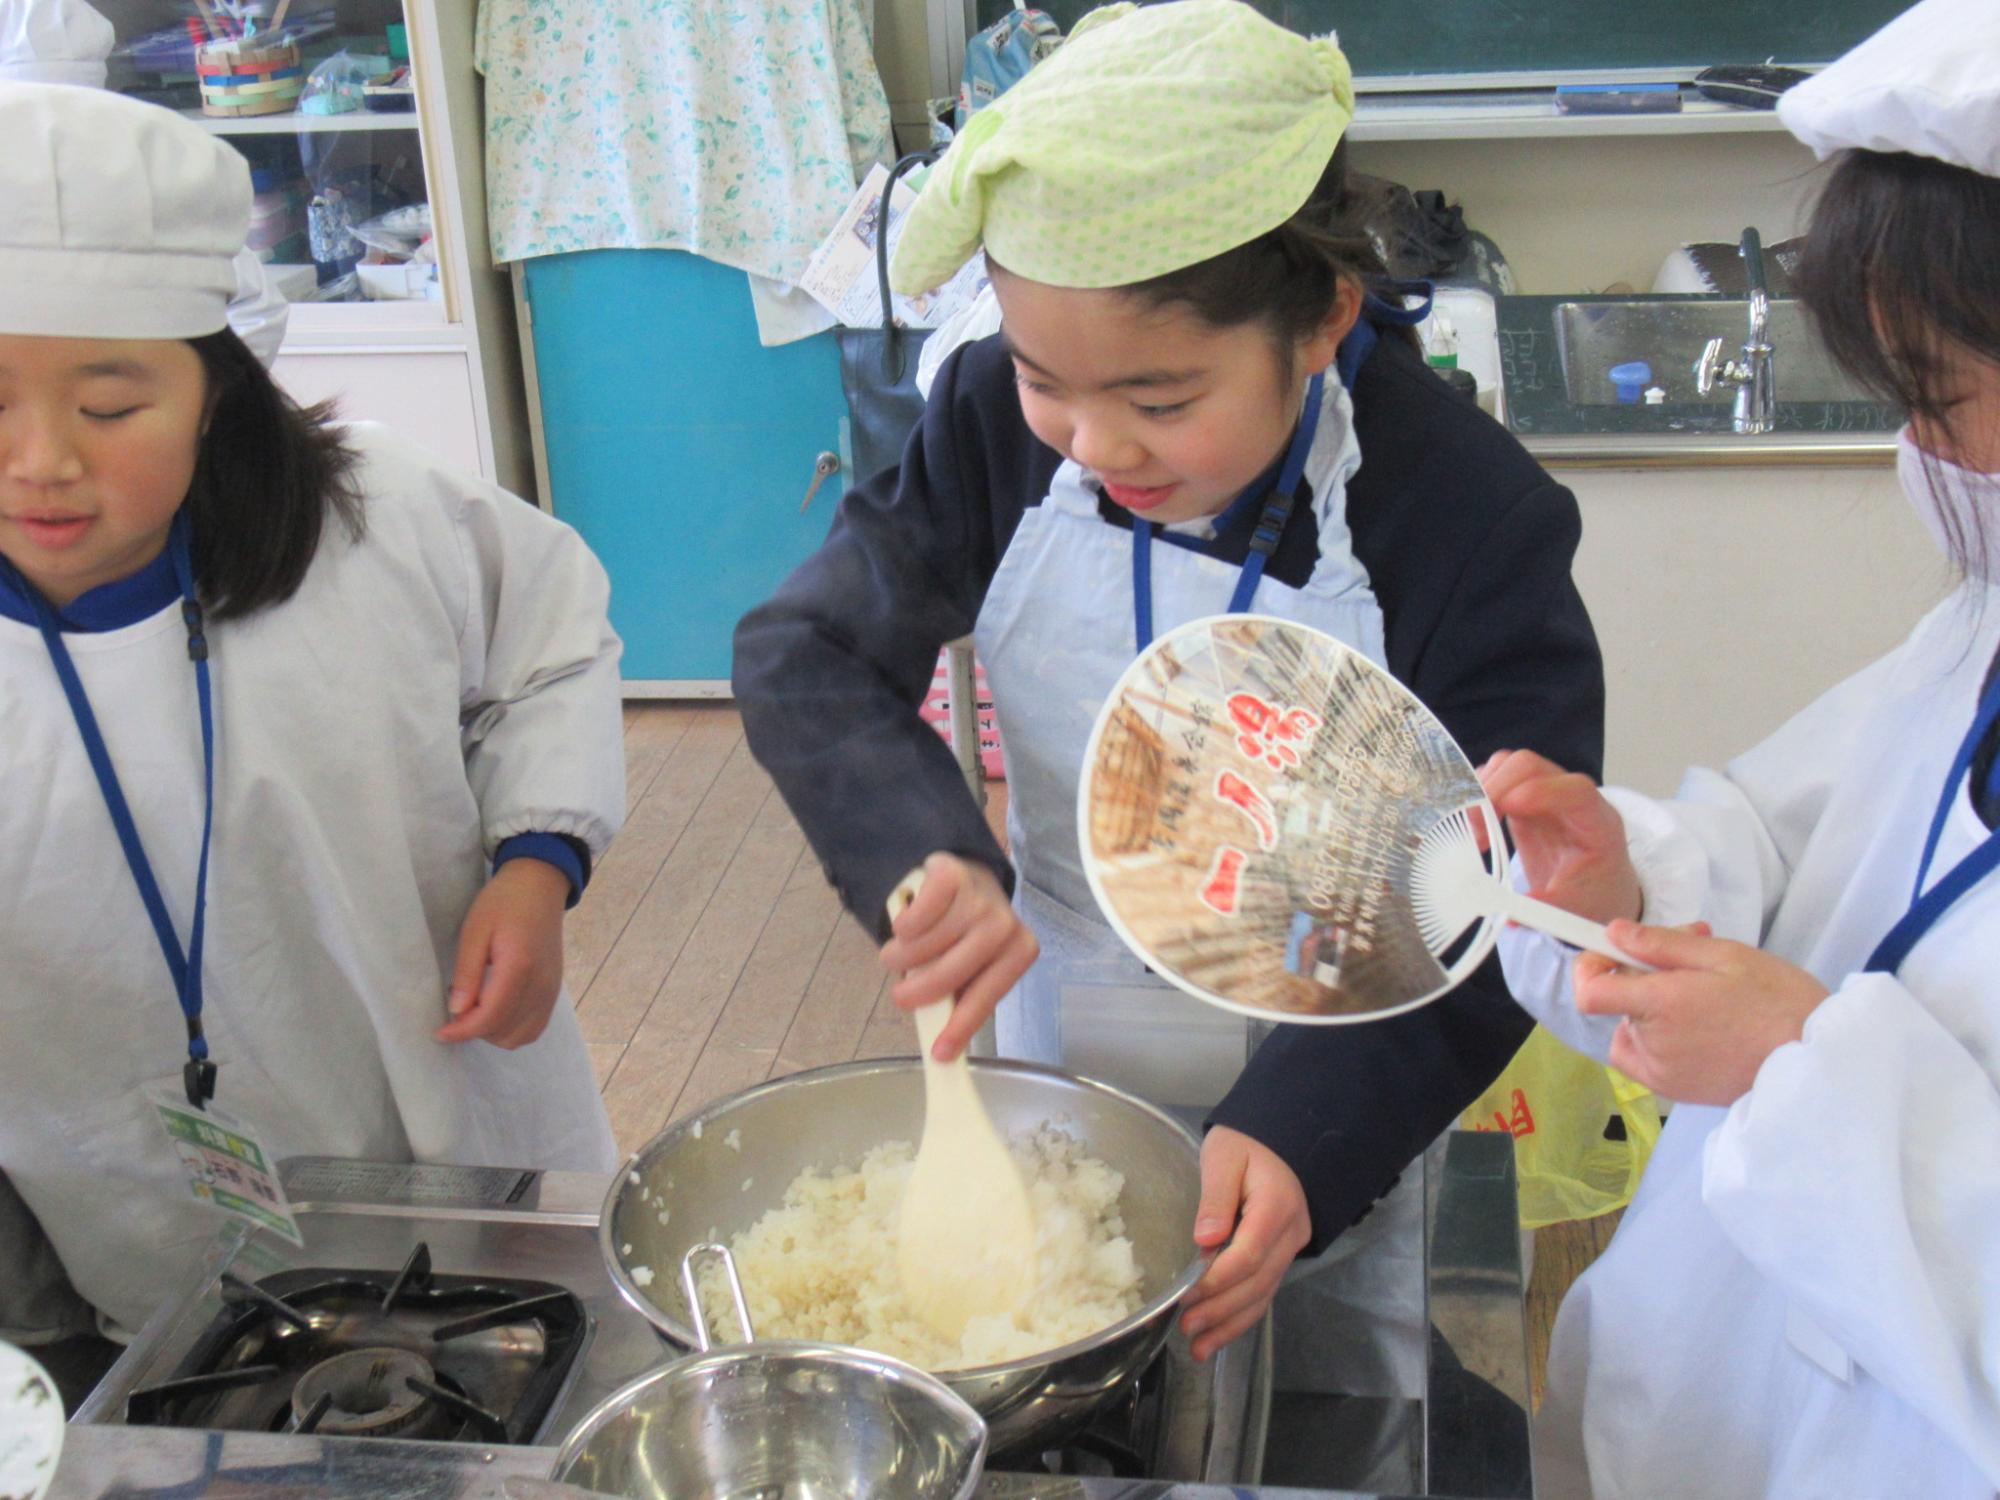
x: 31, y: 1426
x: 1279, y: 827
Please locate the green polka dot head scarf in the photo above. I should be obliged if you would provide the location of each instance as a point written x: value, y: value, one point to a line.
x: 1158, y: 137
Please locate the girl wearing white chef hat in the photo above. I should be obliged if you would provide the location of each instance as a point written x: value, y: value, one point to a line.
x: 309, y: 740
x: 1804, y: 1298
x: 66, y: 41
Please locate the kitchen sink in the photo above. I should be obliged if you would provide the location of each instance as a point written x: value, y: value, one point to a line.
x: 1593, y: 337
x: 1556, y: 355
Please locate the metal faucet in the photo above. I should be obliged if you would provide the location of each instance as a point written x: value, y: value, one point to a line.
x: 1756, y: 377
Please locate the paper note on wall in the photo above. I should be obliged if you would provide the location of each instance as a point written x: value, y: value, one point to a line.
x: 841, y: 276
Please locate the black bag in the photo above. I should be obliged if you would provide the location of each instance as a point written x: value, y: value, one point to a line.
x: 878, y: 366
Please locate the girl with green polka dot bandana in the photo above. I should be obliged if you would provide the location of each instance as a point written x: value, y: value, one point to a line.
x: 1205, y: 397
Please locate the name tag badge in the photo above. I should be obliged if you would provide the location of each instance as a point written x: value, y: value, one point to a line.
x: 226, y: 1163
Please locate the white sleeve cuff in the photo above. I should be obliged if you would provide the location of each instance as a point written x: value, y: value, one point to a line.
x: 1672, y: 865
x: 1538, y: 971
x: 1673, y: 878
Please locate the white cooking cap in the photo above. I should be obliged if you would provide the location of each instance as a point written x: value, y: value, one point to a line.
x: 1927, y: 83
x: 122, y: 219
x: 53, y: 41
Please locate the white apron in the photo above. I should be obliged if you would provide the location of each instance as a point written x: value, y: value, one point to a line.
x: 375, y: 735
x: 1802, y: 1300
x: 1054, y: 634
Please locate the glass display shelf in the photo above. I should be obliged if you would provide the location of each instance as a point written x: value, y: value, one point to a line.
x: 293, y: 124
x: 320, y: 100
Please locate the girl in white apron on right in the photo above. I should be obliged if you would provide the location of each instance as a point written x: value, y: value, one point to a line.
x: 1802, y: 1298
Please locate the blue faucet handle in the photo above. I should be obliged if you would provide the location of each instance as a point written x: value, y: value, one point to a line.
x: 1630, y: 380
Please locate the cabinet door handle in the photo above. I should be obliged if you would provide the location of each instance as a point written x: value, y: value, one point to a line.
x: 824, y: 467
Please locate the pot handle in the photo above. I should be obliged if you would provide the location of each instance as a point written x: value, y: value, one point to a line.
x: 704, y: 1338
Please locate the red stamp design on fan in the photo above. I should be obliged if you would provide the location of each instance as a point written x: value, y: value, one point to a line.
x: 1238, y: 793
x: 1276, y: 736
x: 1223, y: 886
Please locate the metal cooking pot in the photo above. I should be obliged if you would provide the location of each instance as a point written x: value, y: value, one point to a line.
x: 780, y: 1418
x: 717, y: 1172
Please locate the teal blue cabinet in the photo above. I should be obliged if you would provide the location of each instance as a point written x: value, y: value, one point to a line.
x: 680, y: 447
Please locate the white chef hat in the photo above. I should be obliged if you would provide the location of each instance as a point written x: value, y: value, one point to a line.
x: 1927, y: 83
x: 53, y: 41
x: 121, y: 218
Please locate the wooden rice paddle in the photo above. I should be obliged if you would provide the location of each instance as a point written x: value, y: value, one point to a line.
x: 966, y: 1241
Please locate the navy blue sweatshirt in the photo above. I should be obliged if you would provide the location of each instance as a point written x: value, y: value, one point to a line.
x: 1467, y: 543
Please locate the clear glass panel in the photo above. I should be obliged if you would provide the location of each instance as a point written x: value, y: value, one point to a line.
x: 320, y: 100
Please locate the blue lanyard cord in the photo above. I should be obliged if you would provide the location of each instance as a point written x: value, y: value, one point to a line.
x: 1381, y: 310
x: 1926, y: 907
x: 1378, y: 313
x: 199, y: 1074
x: 1263, y: 541
x: 1142, y: 583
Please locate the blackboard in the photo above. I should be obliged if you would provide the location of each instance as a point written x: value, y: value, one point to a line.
x: 1456, y: 37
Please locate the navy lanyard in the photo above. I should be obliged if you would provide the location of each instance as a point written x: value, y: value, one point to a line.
x: 1353, y: 353
x: 1263, y: 542
x: 1378, y: 313
x: 198, y: 1076
x: 1926, y: 907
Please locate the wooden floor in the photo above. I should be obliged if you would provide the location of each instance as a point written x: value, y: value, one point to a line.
x: 710, y: 953
x: 704, y: 930
x: 1562, y: 1253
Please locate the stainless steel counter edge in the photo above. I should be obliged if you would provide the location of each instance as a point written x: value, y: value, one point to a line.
x: 130, y: 1463
x: 1626, y: 450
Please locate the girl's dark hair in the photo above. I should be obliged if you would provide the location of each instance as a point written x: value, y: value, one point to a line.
x: 266, y: 476
x: 1286, y: 278
x: 1901, y: 272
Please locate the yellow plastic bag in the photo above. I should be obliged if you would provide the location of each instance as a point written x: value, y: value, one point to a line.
x: 1557, y: 1104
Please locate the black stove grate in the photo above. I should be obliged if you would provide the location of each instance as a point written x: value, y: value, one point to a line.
x: 500, y: 1352
x: 1121, y: 1440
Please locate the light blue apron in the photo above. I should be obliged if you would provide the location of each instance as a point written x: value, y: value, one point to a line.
x: 1055, y: 633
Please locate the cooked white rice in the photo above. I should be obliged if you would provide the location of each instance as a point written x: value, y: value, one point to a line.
x: 822, y: 1266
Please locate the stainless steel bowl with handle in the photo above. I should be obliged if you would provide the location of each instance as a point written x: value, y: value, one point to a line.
x: 778, y: 1420
x: 715, y: 1173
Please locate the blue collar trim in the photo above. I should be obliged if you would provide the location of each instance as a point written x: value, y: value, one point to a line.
x: 110, y: 606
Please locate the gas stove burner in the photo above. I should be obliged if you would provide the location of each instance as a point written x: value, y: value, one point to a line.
x: 1111, y: 1446
x: 408, y: 1354
x: 364, y: 1393
x: 1087, y: 1455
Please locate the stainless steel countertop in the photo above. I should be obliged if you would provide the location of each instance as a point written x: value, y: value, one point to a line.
x: 1627, y: 450
x: 1470, y: 1431
x: 134, y: 1463
x: 537, y: 1226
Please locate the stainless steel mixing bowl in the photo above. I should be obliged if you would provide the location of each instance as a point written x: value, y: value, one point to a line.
x: 777, y: 1420
x: 717, y: 1172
